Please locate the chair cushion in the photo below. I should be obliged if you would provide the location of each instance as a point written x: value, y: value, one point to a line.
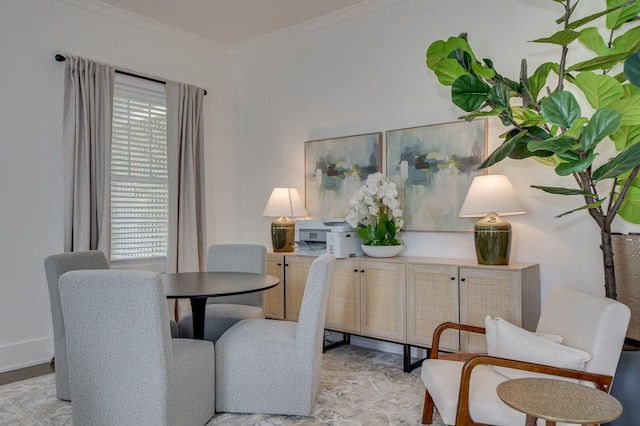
x: 491, y: 335
x: 516, y: 343
x: 442, y: 380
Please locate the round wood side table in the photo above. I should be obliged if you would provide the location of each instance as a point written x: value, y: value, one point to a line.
x: 558, y: 401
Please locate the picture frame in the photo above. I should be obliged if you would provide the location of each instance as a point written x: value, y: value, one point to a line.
x: 433, y: 166
x: 335, y: 168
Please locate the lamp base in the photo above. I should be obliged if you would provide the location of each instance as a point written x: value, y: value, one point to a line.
x: 492, y: 236
x: 282, y: 234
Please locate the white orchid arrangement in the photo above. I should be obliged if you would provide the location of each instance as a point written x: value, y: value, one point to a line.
x: 375, y: 211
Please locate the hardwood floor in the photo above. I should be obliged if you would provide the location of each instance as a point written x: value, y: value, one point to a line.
x: 25, y: 373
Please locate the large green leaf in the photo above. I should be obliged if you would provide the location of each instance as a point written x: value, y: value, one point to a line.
x: 604, y: 122
x: 561, y: 38
x: 482, y: 71
x: 440, y: 50
x: 599, y: 89
x: 556, y: 145
x: 630, y: 90
x: 560, y: 109
x: 628, y: 42
x: 594, y: 205
x: 632, y: 68
x: 477, y: 114
x: 625, y: 11
x: 563, y: 191
x: 599, y: 63
x: 611, y: 6
x: 625, y: 136
x: 503, y: 150
x: 539, y: 78
x: 469, y: 92
x: 575, y: 166
x: 499, y: 96
x: 448, y: 71
x: 621, y: 163
x: 592, y: 40
x: 526, y: 117
x: 629, y: 108
x: 630, y: 207
x: 576, y: 128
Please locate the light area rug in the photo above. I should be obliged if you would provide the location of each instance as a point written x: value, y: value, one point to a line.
x: 358, y: 387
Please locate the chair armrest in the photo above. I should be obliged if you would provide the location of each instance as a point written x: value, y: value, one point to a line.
x: 463, y: 417
x: 435, y: 343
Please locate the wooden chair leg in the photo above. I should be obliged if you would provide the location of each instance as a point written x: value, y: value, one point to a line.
x: 427, y: 410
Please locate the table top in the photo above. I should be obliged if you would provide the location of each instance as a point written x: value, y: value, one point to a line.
x: 559, y: 400
x: 211, y: 284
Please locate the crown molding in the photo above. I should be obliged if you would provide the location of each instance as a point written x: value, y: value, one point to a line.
x: 316, y: 24
x: 121, y: 15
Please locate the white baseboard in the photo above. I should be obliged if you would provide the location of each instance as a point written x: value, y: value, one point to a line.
x: 25, y: 354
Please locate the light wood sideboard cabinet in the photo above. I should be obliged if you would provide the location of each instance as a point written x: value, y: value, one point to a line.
x: 343, y: 308
x: 383, y: 299
x: 442, y: 290
x: 403, y: 299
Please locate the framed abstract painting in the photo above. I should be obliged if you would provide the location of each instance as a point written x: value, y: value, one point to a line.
x: 335, y: 169
x: 433, y: 167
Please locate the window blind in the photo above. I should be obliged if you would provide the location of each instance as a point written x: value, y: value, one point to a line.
x: 139, y: 177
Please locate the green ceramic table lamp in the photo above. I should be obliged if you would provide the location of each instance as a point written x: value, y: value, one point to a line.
x: 284, y: 204
x: 490, y: 197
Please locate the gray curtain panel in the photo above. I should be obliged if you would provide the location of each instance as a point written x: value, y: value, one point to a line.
x: 185, y: 155
x: 88, y: 109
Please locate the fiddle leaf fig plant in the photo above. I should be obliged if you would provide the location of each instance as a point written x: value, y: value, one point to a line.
x: 582, y: 119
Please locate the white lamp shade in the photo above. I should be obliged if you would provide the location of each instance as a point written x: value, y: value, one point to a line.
x: 491, y: 194
x: 284, y: 202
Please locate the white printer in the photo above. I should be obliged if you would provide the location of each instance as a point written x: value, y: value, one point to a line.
x: 314, y: 237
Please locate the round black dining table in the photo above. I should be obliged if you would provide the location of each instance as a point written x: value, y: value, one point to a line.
x: 198, y: 286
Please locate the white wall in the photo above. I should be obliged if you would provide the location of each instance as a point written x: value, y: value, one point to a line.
x: 31, y: 162
x: 368, y: 75
x: 342, y: 77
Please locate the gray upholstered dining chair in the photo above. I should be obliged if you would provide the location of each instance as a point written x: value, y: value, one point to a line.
x: 271, y: 366
x: 125, y: 369
x: 223, y: 312
x: 54, y: 266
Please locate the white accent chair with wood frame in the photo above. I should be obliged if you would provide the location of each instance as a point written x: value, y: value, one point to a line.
x: 592, y: 329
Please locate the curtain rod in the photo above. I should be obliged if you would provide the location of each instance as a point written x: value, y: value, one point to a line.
x: 62, y: 58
